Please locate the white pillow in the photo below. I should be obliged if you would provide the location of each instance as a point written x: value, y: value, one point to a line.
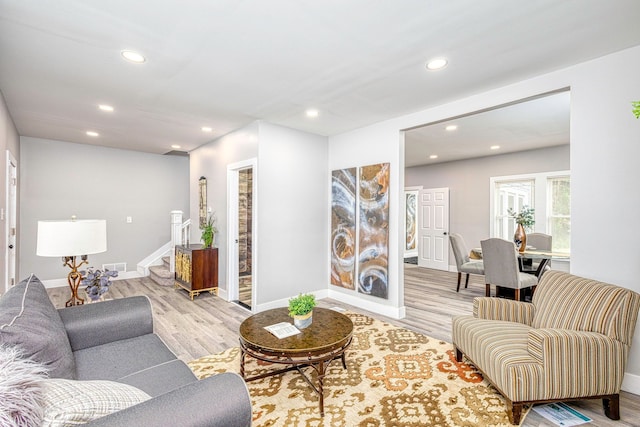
x: 20, y: 393
x: 71, y: 402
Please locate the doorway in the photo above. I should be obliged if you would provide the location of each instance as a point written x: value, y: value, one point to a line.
x: 242, y: 220
x: 433, y: 247
x: 11, y: 213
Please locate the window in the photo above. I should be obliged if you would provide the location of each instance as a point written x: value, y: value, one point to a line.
x: 548, y: 193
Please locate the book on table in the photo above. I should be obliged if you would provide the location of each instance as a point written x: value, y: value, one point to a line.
x: 282, y: 329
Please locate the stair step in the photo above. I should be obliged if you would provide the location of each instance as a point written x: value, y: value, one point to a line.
x: 161, y: 275
x: 166, y: 261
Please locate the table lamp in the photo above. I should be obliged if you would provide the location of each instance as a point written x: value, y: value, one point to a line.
x: 71, y: 239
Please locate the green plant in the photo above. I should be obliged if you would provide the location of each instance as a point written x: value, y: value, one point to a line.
x: 302, y: 304
x: 636, y: 108
x: 525, y: 217
x: 209, y: 231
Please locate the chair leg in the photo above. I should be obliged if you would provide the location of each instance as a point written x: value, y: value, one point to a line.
x: 458, y: 355
x: 487, y: 291
x: 459, y: 278
x: 466, y: 282
x: 514, y: 410
x: 516, y: 295
x: 611, y: 406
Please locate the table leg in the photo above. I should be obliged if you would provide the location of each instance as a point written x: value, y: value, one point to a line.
x: 242, y: 362
x: 321, y: 373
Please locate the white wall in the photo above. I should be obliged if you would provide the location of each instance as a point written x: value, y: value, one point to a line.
x: 292, y: 221
x: 60, y: 179
x: 210, y: 161
x: 605, y: 146
x: 291, y: 205
x: 9, y: 140
x: 468, y: 182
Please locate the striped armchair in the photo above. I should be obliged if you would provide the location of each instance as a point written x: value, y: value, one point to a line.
x: 572, y: 341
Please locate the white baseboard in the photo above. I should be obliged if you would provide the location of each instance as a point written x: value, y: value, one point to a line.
x: 631, y: 383
x: 385, y: 310
x: 57, y: 283
x: 284, y: 302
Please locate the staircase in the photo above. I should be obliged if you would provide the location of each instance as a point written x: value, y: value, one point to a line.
x: 161, y: 274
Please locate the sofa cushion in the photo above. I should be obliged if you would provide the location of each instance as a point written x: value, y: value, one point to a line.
x: 20, y: 391
x: 70, y: 402
x: 29, y: 320
x: 118, y: 359
x: 160, y: 379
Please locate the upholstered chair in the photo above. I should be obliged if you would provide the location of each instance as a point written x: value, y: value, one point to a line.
x: 540, y: 242
x: 570, y: 342
x: 463, y: 263
x: 501, y: 267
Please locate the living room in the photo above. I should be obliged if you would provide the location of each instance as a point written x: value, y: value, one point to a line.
x: 58, y: 178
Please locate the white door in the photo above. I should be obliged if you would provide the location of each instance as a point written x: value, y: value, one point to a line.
x: 11, y: 203
x: 433, y: 228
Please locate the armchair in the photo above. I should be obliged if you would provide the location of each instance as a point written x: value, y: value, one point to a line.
x: 571, y: 342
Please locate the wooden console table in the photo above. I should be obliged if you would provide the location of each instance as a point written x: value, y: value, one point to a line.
x: 196, y: 269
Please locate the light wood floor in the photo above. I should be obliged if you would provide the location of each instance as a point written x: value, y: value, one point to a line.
x: 208, y: 324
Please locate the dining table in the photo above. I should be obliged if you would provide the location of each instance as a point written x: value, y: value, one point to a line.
x: 526, y: 259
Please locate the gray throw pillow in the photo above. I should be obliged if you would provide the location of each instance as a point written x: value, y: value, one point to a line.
x: 29, y: 320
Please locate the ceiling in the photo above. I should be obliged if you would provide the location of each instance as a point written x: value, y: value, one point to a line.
x: 226, y: 63
x: 528, y: 125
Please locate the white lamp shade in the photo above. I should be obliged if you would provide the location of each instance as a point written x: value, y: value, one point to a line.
x: 72, y: 237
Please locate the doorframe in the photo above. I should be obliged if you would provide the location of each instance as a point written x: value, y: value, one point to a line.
x: 9, y: 214
x: 233, y: 172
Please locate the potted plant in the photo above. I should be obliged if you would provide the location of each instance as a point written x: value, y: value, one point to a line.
x: 97, y: 282
x: 525, y: 220
x: 208, y: 231
x: 301, y: 309
x: 636, y: 108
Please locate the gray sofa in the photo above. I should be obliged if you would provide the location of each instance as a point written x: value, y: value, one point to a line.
x: 114, y: 340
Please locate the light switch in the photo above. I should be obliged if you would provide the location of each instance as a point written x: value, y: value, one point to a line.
x: 129, y: 220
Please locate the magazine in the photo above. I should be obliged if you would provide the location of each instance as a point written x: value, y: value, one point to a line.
x: 282, y: 329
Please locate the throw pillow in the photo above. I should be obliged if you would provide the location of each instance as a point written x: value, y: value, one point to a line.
x: 29, y: 320
x: 20, y: 391
x: 70, y: 402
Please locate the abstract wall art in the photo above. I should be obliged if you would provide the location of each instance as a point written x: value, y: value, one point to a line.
x: 343, y: 227
x: 373, y: 244
x: 411, y: 238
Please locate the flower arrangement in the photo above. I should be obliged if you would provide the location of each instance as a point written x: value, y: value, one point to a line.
x: 525, y: 217
x: 97, y: 282
x: 301, y: 305
x: 209, y: 231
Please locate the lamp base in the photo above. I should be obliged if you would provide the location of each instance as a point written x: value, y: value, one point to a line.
x: 74, y: 278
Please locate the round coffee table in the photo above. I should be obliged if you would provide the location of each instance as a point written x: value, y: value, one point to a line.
x: 325, y: 340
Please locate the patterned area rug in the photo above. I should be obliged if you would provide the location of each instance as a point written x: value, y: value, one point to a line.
x: 394, y: 377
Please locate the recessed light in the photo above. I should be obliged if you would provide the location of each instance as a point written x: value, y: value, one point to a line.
x: 132, y: 56
x: 105, y: 107
x: 433, y: 156
x: 206, y: 129
x: 495, y: 147
x: 312, y: 113
x: 437, y: 64
x: 176, y: 146
x: 92, y: 133
x: 451, y: 128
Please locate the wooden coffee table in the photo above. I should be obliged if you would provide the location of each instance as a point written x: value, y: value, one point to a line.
x: 325, y: 340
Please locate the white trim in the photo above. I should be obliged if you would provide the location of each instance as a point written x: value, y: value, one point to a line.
x: 9, y: 214
x: 631, y: 383
x: 356, y: 301
x: 233, y: 170
x: 284, y: 302
x: 154, y: 259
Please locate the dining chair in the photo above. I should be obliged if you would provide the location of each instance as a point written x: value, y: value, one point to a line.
x: 540, y: 242
x: 463, y: 263
x: 501, y: 267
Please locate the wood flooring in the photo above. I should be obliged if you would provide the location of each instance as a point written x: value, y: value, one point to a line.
x: 208, y: 324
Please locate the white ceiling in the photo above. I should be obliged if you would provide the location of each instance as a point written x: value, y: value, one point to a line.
x: 226, y: 63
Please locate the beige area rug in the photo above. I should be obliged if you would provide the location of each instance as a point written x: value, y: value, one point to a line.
x: 394, y: 377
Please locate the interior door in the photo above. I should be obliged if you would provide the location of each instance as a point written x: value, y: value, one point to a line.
x: 434, y: 228
x: 11, y: 230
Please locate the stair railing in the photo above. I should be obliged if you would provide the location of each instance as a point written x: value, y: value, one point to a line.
x: 180, y: 234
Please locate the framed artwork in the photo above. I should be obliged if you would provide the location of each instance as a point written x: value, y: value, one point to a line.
x: 202, y: 201
x: 343, y: 227
x: 373, y: 243
x: 411, y: 222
